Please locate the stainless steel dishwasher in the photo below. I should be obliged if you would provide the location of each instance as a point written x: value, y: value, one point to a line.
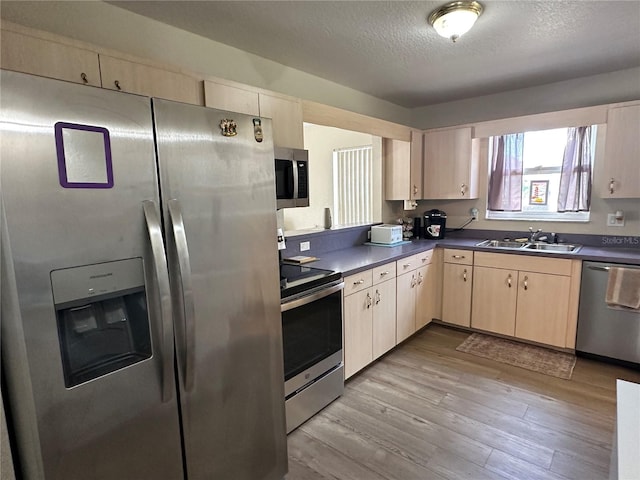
x: 605, y: 331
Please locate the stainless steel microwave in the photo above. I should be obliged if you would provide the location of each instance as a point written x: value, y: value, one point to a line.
x: 292, y: 177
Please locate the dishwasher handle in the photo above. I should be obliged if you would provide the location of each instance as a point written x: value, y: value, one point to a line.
x: 606, y: 269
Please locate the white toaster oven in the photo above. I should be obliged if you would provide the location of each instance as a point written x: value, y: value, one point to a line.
x: 386, y: 234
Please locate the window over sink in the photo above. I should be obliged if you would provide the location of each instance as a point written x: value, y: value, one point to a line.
x: 542, y: 175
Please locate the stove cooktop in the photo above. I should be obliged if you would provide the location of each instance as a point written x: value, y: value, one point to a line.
x: 295, y: 279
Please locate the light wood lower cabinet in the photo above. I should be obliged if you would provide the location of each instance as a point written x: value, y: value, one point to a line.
x: 543, y: 306
x: 529, y: 297
x: 494, y: 300
x: 406, y: 305
x: 369, y: 316
x: 457, y: 280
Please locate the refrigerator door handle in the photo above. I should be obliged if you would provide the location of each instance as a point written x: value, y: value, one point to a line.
x: 162, y: 277
x: 184, y: 267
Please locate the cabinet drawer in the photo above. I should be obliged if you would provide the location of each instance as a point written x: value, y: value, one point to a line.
x: 554, y: 266
x: 357, y: 282
x: 463, y: 257
x: 384, y: 272
x: 424, y: 258
x: 407, y: 264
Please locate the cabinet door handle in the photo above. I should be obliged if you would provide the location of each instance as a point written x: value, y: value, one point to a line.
x: 526, y: 283
x: 420, y: 278
x: 464, y: 275
x: 368, y: 301
x: 413, y: 281
x: 509, y: 280
x: 415, y: 189
x: 463, y: 189
x: 378, y: 297
x: 117, y: 84
x: 458, y: 257
x: 612, y: 184
x: 359, y: 282
x: 84, y: 78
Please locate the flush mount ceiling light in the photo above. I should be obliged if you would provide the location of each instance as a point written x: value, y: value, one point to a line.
x: 455, y: 19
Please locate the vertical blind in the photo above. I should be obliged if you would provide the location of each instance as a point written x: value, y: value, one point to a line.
x: 352, y: 185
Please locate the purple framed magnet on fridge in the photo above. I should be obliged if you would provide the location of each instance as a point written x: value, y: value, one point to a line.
x: 84, y: 156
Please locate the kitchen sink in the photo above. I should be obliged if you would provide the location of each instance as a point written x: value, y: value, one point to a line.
x: 501, y: 244
x: 553, y: 247
x: 537, y: 246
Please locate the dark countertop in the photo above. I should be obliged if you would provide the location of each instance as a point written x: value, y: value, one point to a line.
x: 356, y: 259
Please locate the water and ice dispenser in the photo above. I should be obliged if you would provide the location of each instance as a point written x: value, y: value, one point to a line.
x: 103, y: 323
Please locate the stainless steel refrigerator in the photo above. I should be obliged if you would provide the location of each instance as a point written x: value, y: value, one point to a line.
x: 140, y: 327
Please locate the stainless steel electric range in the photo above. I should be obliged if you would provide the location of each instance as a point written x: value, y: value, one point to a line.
x: 312, y: 339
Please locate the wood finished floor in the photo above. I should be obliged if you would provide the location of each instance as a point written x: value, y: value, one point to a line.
x: 426, y: 411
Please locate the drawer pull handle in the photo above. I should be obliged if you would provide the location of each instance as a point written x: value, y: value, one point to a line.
x: 359, y: 282
x: 526, y: 284
x: 406, y: 265
x: 382, y: 274
x: 458, y: 257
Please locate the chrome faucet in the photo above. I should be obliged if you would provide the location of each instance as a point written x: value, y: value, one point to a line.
x: 534, y: 235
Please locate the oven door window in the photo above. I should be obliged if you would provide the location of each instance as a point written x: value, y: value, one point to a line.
x: 284, y: 179
x: 311, y: 333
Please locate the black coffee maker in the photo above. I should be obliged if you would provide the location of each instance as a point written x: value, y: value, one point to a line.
x: 434, y: 224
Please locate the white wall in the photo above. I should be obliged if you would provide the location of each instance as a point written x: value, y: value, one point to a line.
x: 620, y: 86
x: 321, y: 141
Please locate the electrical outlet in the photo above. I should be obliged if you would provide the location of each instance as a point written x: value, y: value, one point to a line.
x: 304, y: 246
x: 474, y: 213
x: 613, y: 221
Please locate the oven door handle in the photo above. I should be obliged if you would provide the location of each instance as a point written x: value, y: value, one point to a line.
x: 299, y: 302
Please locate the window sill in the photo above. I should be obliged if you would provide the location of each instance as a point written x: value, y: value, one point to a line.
x: 570, y: 217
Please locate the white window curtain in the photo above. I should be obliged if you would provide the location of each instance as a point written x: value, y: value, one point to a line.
x: 352, y: 185
x: 575, y: 178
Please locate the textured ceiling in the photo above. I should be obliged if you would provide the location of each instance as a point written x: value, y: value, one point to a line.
x: 387, y: 49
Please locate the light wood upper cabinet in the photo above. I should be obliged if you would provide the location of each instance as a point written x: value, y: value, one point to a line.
x: 233, y: 99
x: 286, y: 115
x: 416, y: 177
x: 450, y: 164
x: 27, y: 54
x: 126, y: 76
x: 397, y: 161
x: 621, y: 173
x: 403, y: 168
